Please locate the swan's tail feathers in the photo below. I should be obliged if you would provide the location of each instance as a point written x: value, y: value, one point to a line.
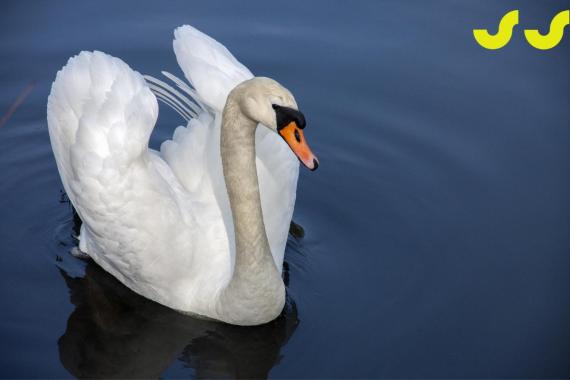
x: 100, y: 116
x: 208, y: 66
x: 187, y: 105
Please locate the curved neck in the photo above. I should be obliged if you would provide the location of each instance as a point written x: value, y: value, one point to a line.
x: 256, y: 286
x: 240, y: 174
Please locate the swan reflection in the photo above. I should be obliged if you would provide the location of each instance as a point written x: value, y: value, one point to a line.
x: 115, y: 333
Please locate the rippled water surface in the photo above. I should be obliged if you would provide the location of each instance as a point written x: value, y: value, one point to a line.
x: 436, y: 229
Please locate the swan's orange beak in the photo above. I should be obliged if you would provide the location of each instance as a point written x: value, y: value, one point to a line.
x: 294, y: 137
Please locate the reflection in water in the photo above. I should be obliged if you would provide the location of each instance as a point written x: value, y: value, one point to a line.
x: 115, y: 333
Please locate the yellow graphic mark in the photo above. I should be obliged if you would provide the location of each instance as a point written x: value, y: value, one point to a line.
x: 504, y: 34
x: 554, y: 36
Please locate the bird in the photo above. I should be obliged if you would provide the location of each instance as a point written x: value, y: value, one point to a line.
x: 199, y: 225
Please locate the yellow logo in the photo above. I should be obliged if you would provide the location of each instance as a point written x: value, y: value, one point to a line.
x: 533, y: 36
x: 554, y: 36
x: 503, y: 36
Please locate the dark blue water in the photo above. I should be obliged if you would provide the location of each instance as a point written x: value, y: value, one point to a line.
x: 437, y: 228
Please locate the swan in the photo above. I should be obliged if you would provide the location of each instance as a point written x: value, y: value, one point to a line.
x: 200, y: 225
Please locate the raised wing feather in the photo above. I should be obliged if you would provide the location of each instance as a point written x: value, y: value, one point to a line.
x: 100, y: 117
x: 208, y: 65
x: 135, y: 211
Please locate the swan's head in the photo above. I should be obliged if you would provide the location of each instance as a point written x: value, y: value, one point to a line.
x: 267, y: 102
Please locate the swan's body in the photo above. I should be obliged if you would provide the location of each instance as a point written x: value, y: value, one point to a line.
x: 162, y: 221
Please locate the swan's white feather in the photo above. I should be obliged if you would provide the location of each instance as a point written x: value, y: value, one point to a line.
x: 208, y: 65
x: 140, y: 224
x: 160, y: 221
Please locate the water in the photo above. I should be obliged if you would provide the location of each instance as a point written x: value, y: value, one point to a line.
x: 436, y: 241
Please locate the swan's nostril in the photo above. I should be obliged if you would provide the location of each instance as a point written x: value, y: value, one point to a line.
x: 297, y: 136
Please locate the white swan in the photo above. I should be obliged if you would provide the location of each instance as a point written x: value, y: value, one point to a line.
x: 200, y: 226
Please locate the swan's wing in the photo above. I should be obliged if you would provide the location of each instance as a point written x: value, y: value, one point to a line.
x: 140, y: 224
x: 208, y: 65
x: 100, y: 117
x: 193, y: 153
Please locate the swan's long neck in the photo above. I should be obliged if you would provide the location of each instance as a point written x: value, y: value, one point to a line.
x: 255, y: 292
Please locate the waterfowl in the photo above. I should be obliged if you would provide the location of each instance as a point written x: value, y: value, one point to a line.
x: 201, y: 224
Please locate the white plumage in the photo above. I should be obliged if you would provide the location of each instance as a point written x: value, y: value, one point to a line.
x: 161, y: 221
